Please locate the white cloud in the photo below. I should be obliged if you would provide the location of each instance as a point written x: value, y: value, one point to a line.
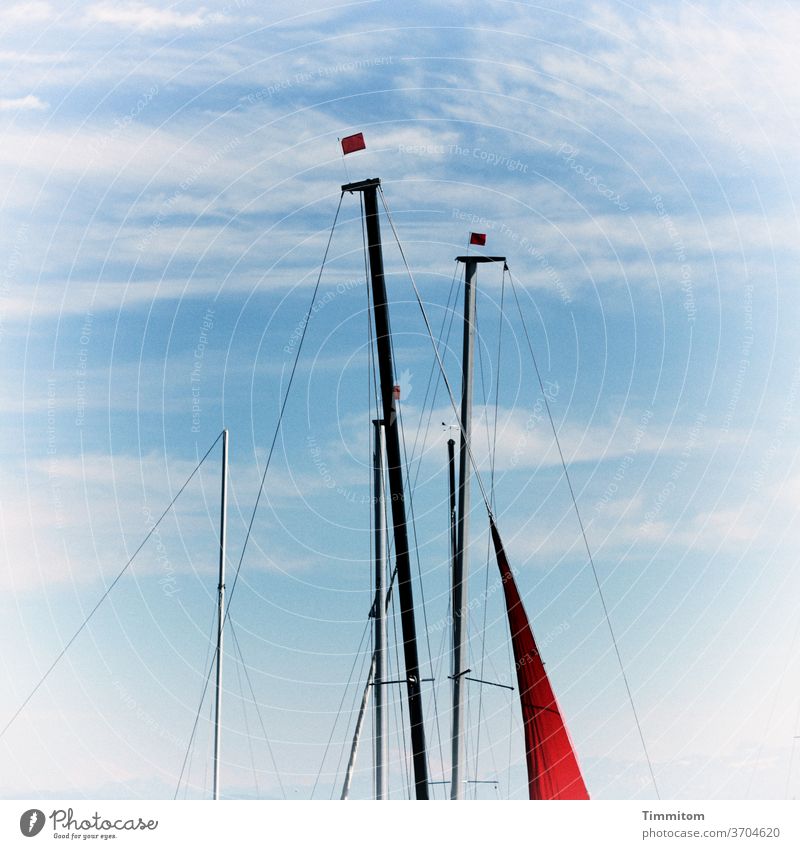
x: 26, y: 13
x: 140, y: 16
x: 29, y: 102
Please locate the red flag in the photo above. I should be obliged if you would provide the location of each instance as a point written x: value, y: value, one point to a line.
x: 396, y: 392
x: 350, y: 144
x: 553, y: 771
x: 477, y: 238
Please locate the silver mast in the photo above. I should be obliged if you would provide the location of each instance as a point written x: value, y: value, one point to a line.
x: 377, y: 669
x: 223, y: 528
x: 379, y: 610
x: 351, y: 763
x: 461, y: 559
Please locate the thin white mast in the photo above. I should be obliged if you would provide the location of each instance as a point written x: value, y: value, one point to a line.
x: 379, y: 612
x: 223, y: 526
x: 377, y: 669
x: 351, y: 763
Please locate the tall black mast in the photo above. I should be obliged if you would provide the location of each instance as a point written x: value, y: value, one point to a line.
x: 369, y: 188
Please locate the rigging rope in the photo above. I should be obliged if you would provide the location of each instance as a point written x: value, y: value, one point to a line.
x: 449, y: 312
x: 258, y: 709
x: 421, y: 585
x: 283, y: 409
x: 339, y: 709
x: 194, y: 730
x: 247, y: 725
x: 492, y: 438
x: 209, y: 644
x: 585, y: 539
x: 352, y: 716
x: 563, y: 464
x: 110, y: 587
x: 436, y: 352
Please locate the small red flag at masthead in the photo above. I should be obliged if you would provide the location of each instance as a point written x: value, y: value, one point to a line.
x: 477, y: 238
x: 350, y: 144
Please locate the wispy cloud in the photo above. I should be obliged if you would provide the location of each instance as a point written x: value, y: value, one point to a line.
x: 141, y: 16
x: 17, y: 104
x: 26, y: 13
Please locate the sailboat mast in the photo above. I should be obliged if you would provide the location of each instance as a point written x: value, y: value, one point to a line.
x: 461, y: 559
x: 223, y: 528
x: 351, y: 763
x: 451, y: 465
x: 369, y: 188
x: 381, y: 738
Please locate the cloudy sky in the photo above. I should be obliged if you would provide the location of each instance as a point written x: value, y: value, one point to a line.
x: 171, y: 173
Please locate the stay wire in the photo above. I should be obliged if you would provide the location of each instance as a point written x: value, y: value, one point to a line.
x: 257, y: 707
x: 492, y: 440
x: 247, y: 725
x: 400, y: 702
x: 585, y: 539
x: 492, y: 494
x: 413, y: 522
x: 283, y: 408
x: 105, y: 595
x: 353, y: 714
x: 449, y: 312
x: 194, y: 730
x: 438, y: 356
x: 209, y: 644
x: 411, y: 506
x: 339, y: 709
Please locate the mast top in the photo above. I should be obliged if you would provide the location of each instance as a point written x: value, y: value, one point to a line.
x: 360, y: 185
x: 476, y: 258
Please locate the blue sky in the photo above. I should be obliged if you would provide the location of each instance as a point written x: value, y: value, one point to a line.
x: 171, y: 173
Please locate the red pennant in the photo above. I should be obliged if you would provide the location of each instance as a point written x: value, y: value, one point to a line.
x: 477, y: 238
x: 350, y: 144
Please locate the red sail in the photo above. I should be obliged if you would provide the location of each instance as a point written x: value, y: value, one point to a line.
x: 553, y: 771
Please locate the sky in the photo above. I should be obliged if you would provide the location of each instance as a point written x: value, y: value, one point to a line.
x: 171, y: 173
